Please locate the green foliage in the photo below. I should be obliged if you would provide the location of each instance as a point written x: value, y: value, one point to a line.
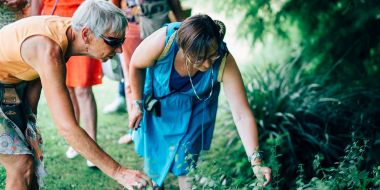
x: 2, y: 177
x: 299, y: 115
x: 216, y: 170
x: 347, y: 174
x: 314, y: 116
x: 258, y: 15
x: 339, y: 34
x: 312, y: 104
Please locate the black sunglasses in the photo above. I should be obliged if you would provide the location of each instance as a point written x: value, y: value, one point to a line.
x: 113, y: 42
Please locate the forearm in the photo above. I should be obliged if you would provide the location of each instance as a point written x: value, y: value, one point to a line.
x: 137, y: 78
x: 62, y: 111
x: 76, y: 137
x: 87, y: 147
x: 247, y: 129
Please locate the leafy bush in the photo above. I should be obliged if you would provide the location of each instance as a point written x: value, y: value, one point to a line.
x: 347, y: 174
x: 298, y: 117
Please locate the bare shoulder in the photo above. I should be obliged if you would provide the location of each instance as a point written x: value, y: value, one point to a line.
x: 230, y: 59
x: 150, y: 49
x: 231, y: 66
x: 231, y: 70
x: 156, y: 41
x: 36, y: 49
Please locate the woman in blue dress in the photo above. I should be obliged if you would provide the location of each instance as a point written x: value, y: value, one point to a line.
x: 174, y: 110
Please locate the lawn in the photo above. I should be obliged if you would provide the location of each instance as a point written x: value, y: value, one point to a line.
x: 64, y: 173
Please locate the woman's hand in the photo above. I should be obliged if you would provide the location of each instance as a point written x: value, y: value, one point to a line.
x: 262, y: 171
x: 131, y: 178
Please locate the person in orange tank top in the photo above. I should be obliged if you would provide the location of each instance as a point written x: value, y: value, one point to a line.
x: 33, y: 54
x: 82, y: 73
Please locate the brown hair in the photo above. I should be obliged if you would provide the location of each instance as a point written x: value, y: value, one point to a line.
x: 198, y: 34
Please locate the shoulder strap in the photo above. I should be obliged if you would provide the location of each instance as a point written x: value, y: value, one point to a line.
x: 167, y: 46
x: 221, y: 69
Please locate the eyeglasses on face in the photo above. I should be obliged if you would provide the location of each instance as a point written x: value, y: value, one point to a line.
x: 113, y: 42
x: 199, y: 61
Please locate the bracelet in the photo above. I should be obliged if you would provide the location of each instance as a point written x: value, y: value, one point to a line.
x: 254, y: 165
x: 138, y: 104
x: 255, y: 155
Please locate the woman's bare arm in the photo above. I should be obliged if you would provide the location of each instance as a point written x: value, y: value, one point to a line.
x: 237, y: 99
x: 144, y: 56
x: 242, y: 114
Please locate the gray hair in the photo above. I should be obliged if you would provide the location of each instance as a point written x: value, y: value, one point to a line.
x: 100, y: 16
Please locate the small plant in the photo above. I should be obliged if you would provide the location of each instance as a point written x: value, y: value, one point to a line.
x: 347, y: 174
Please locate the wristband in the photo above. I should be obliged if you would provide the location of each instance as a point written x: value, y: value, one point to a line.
x: 138, y: 104
x: 255, y: 155
x: 254, y: 165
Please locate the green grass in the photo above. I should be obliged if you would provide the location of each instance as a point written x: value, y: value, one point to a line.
x: 64, y: 173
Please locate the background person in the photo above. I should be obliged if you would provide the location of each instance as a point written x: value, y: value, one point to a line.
x: 29, y: 52
x: 186, y: 64
x: 146, y: 17
x: 11, y: 10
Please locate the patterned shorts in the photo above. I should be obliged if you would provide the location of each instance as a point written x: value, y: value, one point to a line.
x: 10, y: 142
x: 18, y: 129
x: 12, y: 118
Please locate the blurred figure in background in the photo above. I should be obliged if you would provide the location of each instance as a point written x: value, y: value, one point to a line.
x: 132, y: 40
x: 11, y: 10
x: 145, y: 17
x: 82, y: 73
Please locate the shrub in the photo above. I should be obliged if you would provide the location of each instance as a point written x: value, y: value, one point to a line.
x: 298, y: 116
x: 346, y: 174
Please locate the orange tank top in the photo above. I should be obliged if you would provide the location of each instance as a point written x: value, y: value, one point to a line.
x: 13, y: 69
x: 64, y: 7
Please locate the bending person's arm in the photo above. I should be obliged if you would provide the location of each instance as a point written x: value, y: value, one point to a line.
x: 241, y: 112
x: 176, y: 7
x: 46, y: 57
x: 36, y: 7
x: 144, y: 56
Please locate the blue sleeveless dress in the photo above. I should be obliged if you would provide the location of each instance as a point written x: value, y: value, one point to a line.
x: 172, y: 142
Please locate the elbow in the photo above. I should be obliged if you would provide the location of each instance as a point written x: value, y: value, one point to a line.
x: 238, y: 119
x: 242, y: 118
